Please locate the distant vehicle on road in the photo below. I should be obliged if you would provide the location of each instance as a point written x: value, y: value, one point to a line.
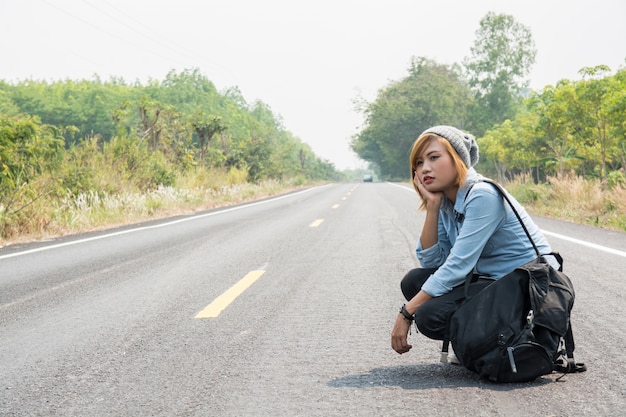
x: 367, y: 178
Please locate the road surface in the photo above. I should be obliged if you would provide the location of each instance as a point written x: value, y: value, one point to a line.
x: 282, y: 307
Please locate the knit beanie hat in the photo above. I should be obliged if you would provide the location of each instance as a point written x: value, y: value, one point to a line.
x: 464, y: 143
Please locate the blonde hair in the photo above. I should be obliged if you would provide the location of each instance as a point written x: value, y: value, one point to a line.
x: 419, y: 146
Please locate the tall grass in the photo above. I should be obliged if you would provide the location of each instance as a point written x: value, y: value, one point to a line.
x: 574, y: 198
x: 196, y: 189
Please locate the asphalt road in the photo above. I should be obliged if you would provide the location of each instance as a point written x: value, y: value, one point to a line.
x: 282, y: 307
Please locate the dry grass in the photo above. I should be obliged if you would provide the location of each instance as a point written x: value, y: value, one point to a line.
x: 575, y: 199
x: 195, y: 191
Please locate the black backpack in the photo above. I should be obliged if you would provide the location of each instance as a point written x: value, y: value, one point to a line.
x: 517, y: 328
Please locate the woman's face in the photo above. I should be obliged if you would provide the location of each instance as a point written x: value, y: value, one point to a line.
x: 435, y: 168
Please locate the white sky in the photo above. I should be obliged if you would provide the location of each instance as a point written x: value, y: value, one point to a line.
x: 308, y: 60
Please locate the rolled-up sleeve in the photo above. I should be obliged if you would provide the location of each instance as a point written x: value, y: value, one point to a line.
x: 435, y: 256
x: 484, y: 212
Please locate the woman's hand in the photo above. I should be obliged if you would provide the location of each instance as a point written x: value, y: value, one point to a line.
x: 399, y: 335
x: 433, y: 199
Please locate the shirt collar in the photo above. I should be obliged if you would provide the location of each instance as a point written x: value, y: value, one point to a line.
x: 471, y: 178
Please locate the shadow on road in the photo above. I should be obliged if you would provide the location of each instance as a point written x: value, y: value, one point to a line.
x: 422, y: 377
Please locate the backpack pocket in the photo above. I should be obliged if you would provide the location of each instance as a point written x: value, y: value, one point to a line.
x: 524, y: 362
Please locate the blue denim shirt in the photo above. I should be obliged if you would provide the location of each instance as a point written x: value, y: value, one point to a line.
x: 479, y: 234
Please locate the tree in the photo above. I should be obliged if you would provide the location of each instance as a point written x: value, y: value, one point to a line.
x: 616, y: 108
x: 263, y: 127
x: 188, y: 91
x: 501, y: 57
x: 206, y: 126
x: 86, y: 105
x: 149, y: 112
x: 7, y: 106
x: 176, y: 119
x: 593, y: 109
x: 431, y: 94
x: 28, y: 148
x: 556, y: 126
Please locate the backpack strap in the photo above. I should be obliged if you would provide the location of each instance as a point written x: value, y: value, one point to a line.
x: 519, y: 218
x: 569, y: 365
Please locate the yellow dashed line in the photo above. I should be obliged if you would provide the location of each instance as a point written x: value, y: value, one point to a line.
x: 335, y: 206
x: 220, y: 303
x: 316, y: 223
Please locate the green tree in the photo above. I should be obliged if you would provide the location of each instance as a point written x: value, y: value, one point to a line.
x: 257, y: 147
x: 7, y: 105
x: 431, y: 94
x: 501, y: 58
x: 155, y: 118
x: 594, y: 104
x: 556, y: 126
x: 510, y: 147
x: 616, y: 109
x: 166, y: 117
x: 87, y: 105
x: 206, y: 126
x: 28, y: 148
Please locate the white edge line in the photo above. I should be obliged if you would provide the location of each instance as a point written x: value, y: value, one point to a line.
x: 156, y: 226
x: 401, y: 186
x: 558, y: 236
x: 585, y: 243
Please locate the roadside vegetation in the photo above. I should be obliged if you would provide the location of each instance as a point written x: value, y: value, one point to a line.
x: 573, y: 198
x: 80, y: 155
x: 560, y: 150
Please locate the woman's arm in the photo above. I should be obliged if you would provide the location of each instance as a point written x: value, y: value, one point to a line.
x: 430, y: 230
x: 400, y: 330
x: 428, y: 238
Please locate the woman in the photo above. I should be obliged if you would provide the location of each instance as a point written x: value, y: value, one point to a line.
x: 469, y: 229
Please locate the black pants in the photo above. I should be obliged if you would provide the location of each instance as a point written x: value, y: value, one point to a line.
x: 432, y: 316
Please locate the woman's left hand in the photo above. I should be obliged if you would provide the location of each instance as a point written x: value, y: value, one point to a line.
x: 399, y: 335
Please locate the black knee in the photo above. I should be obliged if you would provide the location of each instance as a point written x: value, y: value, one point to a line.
x: 412, y: 282
x: 430, y: 323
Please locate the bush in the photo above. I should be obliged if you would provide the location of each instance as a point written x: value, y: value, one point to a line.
x: 158, y: 173
x: 616, y: 179
x: 237, y: 175
x: 29, y: 152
